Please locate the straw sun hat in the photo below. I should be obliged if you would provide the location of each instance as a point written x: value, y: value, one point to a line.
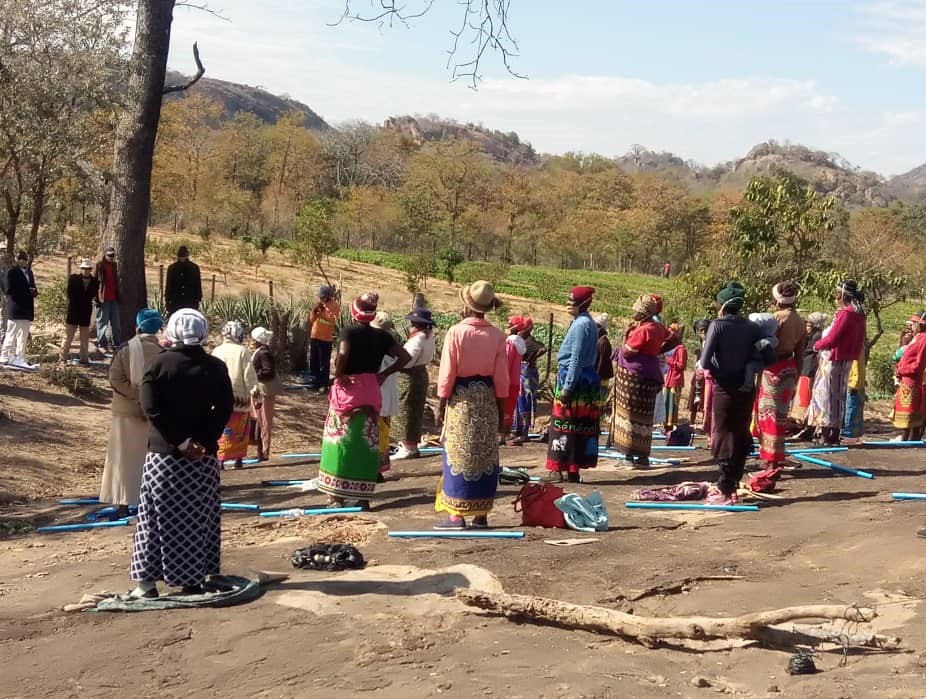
x: 480, y: 297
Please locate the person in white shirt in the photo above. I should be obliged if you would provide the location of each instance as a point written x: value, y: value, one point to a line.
x: 413, y: 390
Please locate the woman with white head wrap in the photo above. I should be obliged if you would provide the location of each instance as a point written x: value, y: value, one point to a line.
x: 233, y: 446
x: 187, y: 397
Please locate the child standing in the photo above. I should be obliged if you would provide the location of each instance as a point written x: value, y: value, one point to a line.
x: 323, y: 318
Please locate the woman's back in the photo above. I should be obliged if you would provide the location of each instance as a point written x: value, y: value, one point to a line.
x: 368, y: 346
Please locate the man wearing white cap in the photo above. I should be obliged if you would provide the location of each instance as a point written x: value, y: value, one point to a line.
x: 82, y: 290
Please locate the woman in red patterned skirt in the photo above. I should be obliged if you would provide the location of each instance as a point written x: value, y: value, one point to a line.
x: 908, y: 401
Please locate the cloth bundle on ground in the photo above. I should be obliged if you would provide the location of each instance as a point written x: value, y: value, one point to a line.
x: 672, y: 493
x: 765, y: 481
x: 221, y: 591
x: 587, y: 514
x: 536, y: 501
x: 328, y: 557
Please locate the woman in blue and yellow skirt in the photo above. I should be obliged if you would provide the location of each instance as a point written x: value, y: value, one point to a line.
x: 473, y: 388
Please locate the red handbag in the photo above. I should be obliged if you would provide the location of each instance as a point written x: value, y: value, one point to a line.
x: 535, y: 503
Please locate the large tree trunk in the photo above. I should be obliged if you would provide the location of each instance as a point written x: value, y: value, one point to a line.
x: 130, y: 199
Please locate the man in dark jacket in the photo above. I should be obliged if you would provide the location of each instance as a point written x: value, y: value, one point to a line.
x: 82, y: 291
x: 184, y: 288
x: 21, y: 293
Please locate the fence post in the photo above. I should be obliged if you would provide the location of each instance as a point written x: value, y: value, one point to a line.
x: 161, y: 280
x: 69, y: 265
x: 212, y: 296
x: 549, y: 348
x: 270, y: 288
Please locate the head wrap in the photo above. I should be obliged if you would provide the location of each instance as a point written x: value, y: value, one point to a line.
x: 261, y: 335
x: 363, y: 309
x: 516, y: 323
x: 383, y: 321
x: 581, y: 296
x: 646, y: 306
x: 785, y: 293
x: 528, y: 323
x: 602, y: 320
x: 149, y: 321
x: 848, y: 289
x: 233, y: 330
x: 325, y: 292
x: 817, y: 320
x: 187, y: 327
x: 732, y: 297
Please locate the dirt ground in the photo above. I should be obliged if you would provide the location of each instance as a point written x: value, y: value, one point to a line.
x: 395, y: 630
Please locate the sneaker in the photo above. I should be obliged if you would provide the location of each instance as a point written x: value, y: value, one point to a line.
x: 451, y: 524
x: 921, y: 533
x: 21, y: 363
x: 480, y: 522
x: 4, y: 360
x: 404, y: 453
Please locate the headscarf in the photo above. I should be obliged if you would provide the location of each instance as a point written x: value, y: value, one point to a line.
x: 528, y: 323
x: 149, y: 321
x: 363, y: 309
x: 817, y: 320
x: 785, y: 293
x: 851, y: 295
x: 732, y: 297
x: 261, y: 335
x: 581, y: 296
x: 233, y: 330
x: 918, y: 318
x: 187, y: 327
x: 516, y: 323
x: 646, y: 306
x: 602, y: 320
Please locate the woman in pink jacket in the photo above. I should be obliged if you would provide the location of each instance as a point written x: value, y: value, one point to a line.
x: 843, y: 342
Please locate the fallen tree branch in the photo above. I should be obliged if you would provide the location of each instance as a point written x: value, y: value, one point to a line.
x: 646, y: 630
x: 814, y: 635
x: 200, y: 72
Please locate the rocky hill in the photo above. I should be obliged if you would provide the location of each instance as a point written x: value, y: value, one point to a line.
x: 910, y: 186
x: 504, y: 147
x: 244, y: 98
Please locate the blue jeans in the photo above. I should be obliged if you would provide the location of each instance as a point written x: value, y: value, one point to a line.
x: 319, y: 363
x: 108, y: 331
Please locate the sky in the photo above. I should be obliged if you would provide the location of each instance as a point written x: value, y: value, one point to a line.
x: 704, y: 79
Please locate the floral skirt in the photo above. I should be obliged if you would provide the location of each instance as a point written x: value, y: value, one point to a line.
x: 773, y: 403
x: 350, y: 455
x: 828, y: 400
x: 908, y: 404
x: 233, y: 444
x: 634, y: 408
x: 470, y: 460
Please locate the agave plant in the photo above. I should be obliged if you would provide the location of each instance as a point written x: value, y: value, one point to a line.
x: 254, y: 309
x: 224, y: 309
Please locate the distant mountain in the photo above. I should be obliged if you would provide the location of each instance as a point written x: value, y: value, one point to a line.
x: 244, y: 98
x: 504, y: 147
x: 910, y: 186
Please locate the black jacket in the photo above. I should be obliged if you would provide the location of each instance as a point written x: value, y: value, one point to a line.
x: 80, y: 299
x: 184, y: 287
x: 810, y: 359
x: 20, y: 285
x: 728, y: 347
x: 186, y: 394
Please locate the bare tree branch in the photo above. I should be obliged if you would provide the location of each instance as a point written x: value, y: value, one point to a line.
x: 203, y: 7
x: 483, y: 27
x: 200, y: 72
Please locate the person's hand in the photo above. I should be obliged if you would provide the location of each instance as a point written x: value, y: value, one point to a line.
x: 565, y: 396
x: 194, y: 451
x: 34, y: 291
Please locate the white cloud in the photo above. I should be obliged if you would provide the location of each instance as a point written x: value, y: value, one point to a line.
x: 894, y: 28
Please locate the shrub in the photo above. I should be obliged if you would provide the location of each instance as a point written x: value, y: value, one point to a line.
x: 74, y: 380
x: 448, y: 260
x: 51, y: 305
x: 880, y: 378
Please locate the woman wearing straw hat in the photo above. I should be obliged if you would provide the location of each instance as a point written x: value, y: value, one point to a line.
x: 413, y: 382
x: 574, y: 426
x: 350, y: 444
x: 473, y: 388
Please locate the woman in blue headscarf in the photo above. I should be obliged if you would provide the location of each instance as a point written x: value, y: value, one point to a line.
x: 128, y: 431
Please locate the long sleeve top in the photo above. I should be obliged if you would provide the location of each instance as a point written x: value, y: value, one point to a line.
x: 810, y: 359
x: 913, y: 360
x: 125, y: 393
x: 473, y: 347
x: 579, y: 350
x: 186, y: 394
x: 184, y: 286
x: 846, y: 337
x: 240, y: 370
x: 603, y: 364
x: 676, y: 363
x: 515, y: 347
x: 728, y: 347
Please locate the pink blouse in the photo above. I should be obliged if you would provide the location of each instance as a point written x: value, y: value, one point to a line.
x: 473, y: 347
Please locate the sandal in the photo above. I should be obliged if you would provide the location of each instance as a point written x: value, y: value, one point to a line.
x: 451, y: 524
x: 552, y: 477
x: 334, y: 502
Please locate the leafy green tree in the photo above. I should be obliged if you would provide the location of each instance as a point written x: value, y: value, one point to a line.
x: 315, y: 239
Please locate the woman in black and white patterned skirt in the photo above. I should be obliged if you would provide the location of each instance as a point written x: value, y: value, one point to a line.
x: 187, y: 397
